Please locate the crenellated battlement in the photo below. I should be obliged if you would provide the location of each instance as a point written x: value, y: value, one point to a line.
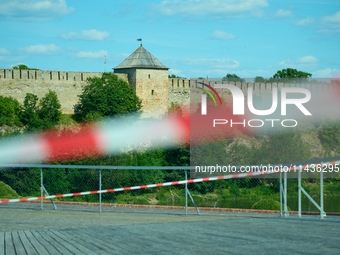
x: 179, y: 89
x: 68, y: 85
x: 179, y: 85
x: 183, y: 85
x: 64, y: 76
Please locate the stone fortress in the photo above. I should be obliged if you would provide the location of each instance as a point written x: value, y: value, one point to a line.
x: 146, y: 75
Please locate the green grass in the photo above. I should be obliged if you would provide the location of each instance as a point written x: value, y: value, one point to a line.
x: 7, y: 192
x: 67, y: 119
x: 267, y: 204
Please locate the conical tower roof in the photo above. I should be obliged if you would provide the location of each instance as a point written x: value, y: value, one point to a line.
x: 141, y: 58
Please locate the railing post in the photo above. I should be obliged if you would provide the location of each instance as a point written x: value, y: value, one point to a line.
x: 322, y: 213
x: 286, y: 214
x: 281, y: 193
x: 100, y: 188
x: 186, y: 193
x: 299, y: 190
x: 41, y: 189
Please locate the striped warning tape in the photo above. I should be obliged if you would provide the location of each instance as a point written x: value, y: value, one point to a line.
x: 214, y: 178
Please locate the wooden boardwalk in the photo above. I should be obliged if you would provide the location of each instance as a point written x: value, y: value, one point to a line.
x: 60, y: 232
x: 55, y: 242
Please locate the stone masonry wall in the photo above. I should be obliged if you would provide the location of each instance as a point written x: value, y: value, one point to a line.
x: 67, y: 85
x: 179, y: 89
x: 152, y: 89
x: 179, y: 92
x: 157, y: 92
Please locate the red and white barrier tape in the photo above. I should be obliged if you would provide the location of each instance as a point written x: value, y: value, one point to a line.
x: 116, y: 135
x: 214, y: 178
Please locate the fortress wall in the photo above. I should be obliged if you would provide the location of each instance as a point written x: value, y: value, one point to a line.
x: 179, y: 91
x: 258, y: 88
x: 67, y: 85
x: 263, y: 87
x: 179, y: 85
x: 10, y: 74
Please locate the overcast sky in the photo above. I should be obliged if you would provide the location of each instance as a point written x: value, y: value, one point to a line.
x: 192, y: 37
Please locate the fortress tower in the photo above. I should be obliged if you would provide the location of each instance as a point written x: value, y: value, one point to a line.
x: 148, y: 77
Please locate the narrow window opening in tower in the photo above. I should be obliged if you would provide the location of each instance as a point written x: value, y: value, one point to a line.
x: 152, y: 92
x: 149, y: 75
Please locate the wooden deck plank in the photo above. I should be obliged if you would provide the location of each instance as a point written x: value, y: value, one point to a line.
x: 89, y: 245
x: 75, y: 243
x: 47, y: 246
x: 62, y: 249
x: 153, y: 240
x: 26, y: 243
x: 119, y: 240
x: 84, y: 238
x: 63, y: 242
x: 118, y: 237
x: 9, y: 247
x: 35, y: 243
x: 18, y: 245
x: 2, y: 242
x: 103, y: 245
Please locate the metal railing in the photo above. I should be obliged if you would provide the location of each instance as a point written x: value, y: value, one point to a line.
x: 80, y: 180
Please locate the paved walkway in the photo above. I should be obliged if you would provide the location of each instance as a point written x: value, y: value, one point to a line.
x: 29, y: 231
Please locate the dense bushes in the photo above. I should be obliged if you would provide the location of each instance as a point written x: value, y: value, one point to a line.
x: 106, y: 96
x: 9, y: 111
x: 329, y: 134
x: 32, y: 114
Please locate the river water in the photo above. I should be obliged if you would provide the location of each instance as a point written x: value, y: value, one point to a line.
x: 331, y: 204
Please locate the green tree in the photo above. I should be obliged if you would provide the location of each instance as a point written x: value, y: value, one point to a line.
x: 107, y: 96
x: 282, y: 147
x: 49, y: 111
x: 29, y: 112
x: 291, y: 75
x: 9, y: 111
x: 260, y: 79
x: 329, y: 134
x: 232, y: 78
x: 23, y: 67
x: 175, y: 76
